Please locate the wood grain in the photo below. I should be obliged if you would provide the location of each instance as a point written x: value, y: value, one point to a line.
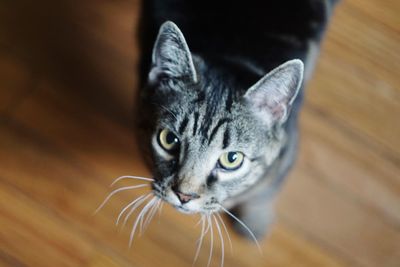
x: 67, y: 81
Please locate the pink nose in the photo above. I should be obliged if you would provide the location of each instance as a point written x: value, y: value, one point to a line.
x: 185, y: 198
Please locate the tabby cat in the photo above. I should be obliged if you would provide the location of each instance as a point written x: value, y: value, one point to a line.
x: 222, y: 88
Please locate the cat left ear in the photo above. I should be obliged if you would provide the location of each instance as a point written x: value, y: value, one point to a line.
x: 171, y: 55
x: 272, y: 97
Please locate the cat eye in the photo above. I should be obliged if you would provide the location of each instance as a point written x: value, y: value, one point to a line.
x: 231, y: 160
x: 168, y: 140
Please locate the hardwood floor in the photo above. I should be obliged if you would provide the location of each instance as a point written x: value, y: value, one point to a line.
x: 67, y: 84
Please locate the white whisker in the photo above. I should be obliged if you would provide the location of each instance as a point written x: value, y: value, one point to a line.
x: 139, y: 218
x: 212, y: 239
x: 169, y: 111
x: 208, y: 225
x: 200, y: 241
x: 127, y: 207
x: 160, y: 209
x: 116, y: 191
x: 148, y: 210
x: 226, y: 230
x: 221, y: 239
x: 159, y: 204
x: 134, y: 208
x: 131, y: 177
x: 199, y: 221
x: 245, y: 227
x: 151, y: 213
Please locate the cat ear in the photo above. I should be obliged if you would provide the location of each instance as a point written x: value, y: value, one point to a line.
x: 272, y: 97
x: 171, y: 55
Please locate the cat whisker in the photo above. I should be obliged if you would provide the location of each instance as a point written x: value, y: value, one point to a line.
x: 139, y: 219
x: 226, y: 230
x: 127, y: 207
x: 159, y: 205
x: 244, y: 226
x: 115, y: 192
x: 160, y: 209
x: 151, y: 213
x: 202, y: 234
x: 221, y: 238
x: 208, y: 225
x: 148, y: 210
x: 212, y: 239
x: 199, y: 221
x: 134, y: 208
x: 169, y: 111
x: 131, y: 177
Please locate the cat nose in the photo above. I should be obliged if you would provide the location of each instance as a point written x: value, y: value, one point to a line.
x: 185, y: 197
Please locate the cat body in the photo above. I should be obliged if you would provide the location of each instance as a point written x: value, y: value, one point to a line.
x: 222, y: 87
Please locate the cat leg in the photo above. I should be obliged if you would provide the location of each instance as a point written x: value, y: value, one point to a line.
x: 257, y: 213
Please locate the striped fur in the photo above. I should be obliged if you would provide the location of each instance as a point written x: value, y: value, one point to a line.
x: 217, y: 101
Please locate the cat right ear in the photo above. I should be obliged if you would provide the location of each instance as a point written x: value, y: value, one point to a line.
x: 171, y: 56
x: 271, y: 98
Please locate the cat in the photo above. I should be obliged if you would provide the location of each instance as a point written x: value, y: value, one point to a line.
x: 222, y: 86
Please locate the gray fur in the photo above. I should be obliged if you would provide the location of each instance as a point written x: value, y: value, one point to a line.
x: 210, y: 118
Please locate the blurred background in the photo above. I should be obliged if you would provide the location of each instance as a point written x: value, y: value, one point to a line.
x: 68, y: 72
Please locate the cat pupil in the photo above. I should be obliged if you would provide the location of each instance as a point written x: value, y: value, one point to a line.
x: 171, y: 138
x: 232, y: 157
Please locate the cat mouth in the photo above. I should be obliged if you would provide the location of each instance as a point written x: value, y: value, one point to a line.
x: 184, y: 210
x: 203, y: 210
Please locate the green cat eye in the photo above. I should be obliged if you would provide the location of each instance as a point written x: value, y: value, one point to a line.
x: 231, y: 160
x: 168, y: 140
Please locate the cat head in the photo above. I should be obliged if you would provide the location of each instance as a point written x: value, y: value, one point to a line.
x: 211, y: 141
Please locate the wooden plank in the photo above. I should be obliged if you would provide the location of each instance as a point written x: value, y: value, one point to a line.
x: 338, y: 223
x: 75, y: 128
x: 357, y: 78
x: 90, y: 47
x: 16, y: 80
x: 349, y: 165
x: 31, y: 235
x: 383, y: 12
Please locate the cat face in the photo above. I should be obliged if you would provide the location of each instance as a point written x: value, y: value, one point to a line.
x: 212, y: 141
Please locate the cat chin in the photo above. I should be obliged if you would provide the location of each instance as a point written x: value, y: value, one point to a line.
x: 185, y: 210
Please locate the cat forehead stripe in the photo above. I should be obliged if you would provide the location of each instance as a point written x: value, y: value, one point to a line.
x: 227, y: 138
x: 196, y: 118
x: 183, y: 125
x: 215, y: 130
